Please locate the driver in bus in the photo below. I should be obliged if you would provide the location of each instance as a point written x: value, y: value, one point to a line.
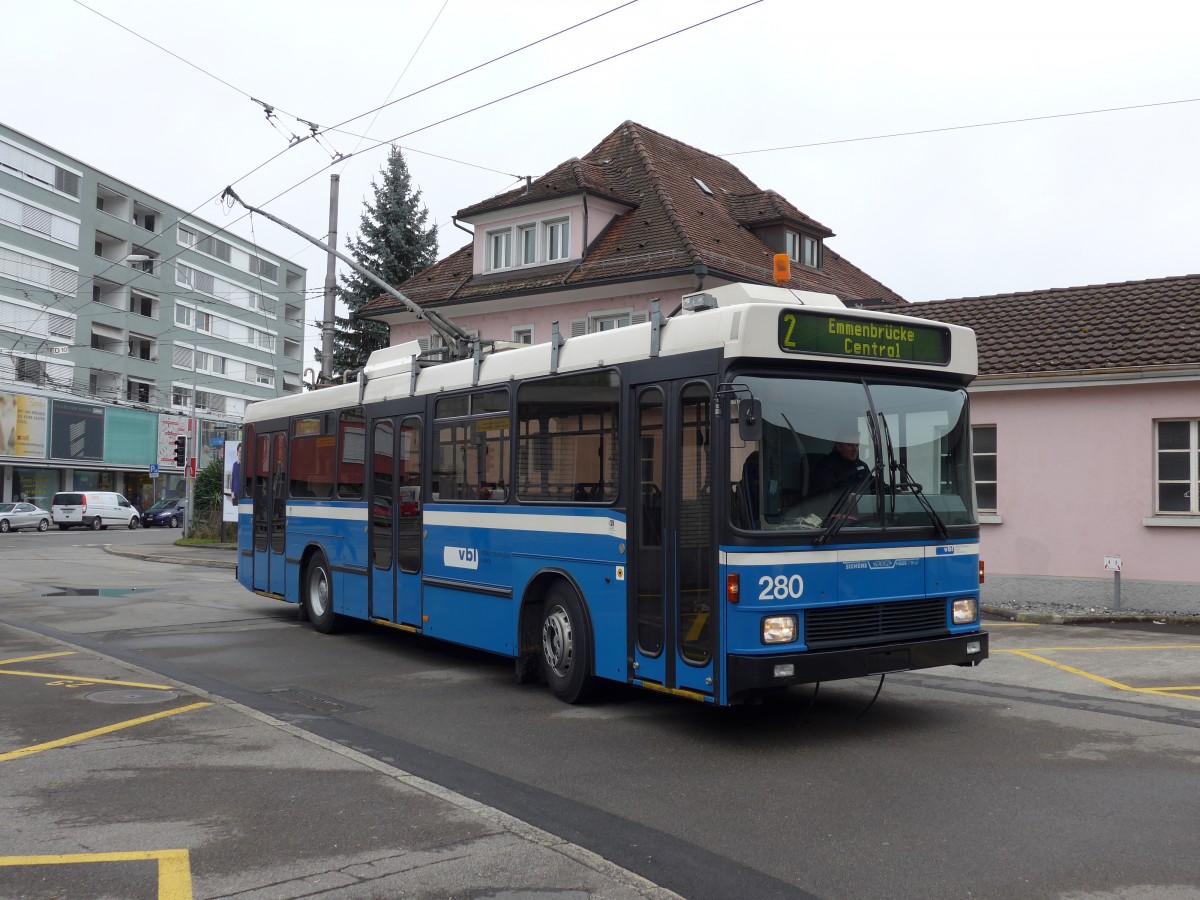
x: 841, y: 468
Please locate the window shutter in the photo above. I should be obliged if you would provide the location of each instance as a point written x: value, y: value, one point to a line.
x: 638, y: 318
x: 578, y: 327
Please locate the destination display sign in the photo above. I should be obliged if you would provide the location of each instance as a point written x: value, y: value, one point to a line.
x: 857, y: 338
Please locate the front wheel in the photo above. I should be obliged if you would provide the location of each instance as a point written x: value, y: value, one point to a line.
x: 174, y: 522
x: 97, y: 524
x: 43, y: 524
x: 133, y: 523
x: 318, y: 596
x: 566, y: 646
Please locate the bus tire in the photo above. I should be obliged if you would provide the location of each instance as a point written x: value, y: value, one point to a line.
x: 566, y: 646
x: 318, y: 596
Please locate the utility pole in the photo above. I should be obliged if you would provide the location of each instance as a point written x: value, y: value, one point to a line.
x: 330, y: 284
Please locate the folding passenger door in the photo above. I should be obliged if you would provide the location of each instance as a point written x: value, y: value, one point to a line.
x: 672, y: 604
x: 395, y: 520
x: 270, y: 510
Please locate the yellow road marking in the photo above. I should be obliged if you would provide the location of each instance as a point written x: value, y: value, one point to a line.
x: 98, y: 732
x: 1159, y: 691
x: 20, y: 659
x: 174, y: 867
x: 60, y: 677
x: 1090, y: 649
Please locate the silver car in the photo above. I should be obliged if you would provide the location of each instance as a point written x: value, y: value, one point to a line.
x: 15, y: 516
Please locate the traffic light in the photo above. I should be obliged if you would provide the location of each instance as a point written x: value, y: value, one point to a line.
x: 181, y: 450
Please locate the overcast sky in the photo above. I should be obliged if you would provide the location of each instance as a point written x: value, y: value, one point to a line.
x: 1060, y: 201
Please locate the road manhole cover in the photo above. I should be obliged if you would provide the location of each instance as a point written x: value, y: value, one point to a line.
x: 132, y: 696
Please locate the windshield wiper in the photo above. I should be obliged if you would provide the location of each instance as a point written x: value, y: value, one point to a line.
x: 837, y: 516
x: 906, y: 484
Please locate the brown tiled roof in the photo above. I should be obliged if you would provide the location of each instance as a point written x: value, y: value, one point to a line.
x: 671, y: 227
x: 1132, y: 324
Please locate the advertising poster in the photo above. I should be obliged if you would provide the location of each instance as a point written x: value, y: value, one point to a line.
x: 22, y: 426
x: 232, y: 481
x: 129, y: 437
x: 169, y: 428
x: 77, y: 431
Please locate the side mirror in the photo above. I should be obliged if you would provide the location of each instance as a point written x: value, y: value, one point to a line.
x: 750, y: 420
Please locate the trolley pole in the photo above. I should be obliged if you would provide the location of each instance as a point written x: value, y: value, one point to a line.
x: 327, y: 324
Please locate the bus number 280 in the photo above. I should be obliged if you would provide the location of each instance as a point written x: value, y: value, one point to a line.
x: 781, y: 587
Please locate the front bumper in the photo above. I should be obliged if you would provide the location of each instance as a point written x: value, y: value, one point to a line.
x: 747, y: 674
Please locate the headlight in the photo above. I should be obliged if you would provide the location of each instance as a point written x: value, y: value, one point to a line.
x: 779, y: 629
x: 964, y: 612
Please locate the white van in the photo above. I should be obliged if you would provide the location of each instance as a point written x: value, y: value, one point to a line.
x: 93, y: 509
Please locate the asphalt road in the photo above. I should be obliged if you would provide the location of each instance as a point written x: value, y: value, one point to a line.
x: 1064, y: 766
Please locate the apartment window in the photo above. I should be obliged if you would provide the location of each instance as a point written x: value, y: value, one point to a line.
x: 183, y: 316
x: 558, y: 239
x: 1177, y: 467
x: 266, y: 269
x: 528, y: 244
x: 983, y: 447
x: 523, y: 334
x: 181, y: 396
x: 500, y: 249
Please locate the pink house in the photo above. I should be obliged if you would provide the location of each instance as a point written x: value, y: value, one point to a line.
x: 593, y: 242
x: 1087, y: 440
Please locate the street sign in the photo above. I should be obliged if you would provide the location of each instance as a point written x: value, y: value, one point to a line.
x: 1112, y: 564
x: 191, y: 467
x: 153, y: 470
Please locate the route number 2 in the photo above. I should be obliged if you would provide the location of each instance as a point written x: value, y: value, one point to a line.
x: 781, y: 587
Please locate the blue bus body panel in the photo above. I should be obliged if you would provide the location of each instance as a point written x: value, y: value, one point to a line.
x: 782, y: 581
x: 480, y: 560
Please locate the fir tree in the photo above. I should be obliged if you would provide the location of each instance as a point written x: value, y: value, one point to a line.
x: 394, y: 244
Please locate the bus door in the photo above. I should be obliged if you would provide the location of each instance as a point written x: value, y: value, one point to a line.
x: 396, y: 520
x: 672, y: 544
x: 270, y: 510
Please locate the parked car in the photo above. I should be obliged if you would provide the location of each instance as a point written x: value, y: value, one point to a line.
x: 15, y: 516
x: 93, y: 509
x: 165, y: 512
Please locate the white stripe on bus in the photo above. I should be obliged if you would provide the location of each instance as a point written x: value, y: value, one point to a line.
x: 339, y: 513
x: 817, y: 557
x: 564, y: 524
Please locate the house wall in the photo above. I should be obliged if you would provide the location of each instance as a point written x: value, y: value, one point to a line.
x: 1075, y: 483
x: 498, y: 325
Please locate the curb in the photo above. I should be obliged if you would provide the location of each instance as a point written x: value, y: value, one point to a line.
x: 1041, y: 618
x: 175, y: 560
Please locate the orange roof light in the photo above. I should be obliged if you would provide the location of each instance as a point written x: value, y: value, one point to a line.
x: 783, y: 269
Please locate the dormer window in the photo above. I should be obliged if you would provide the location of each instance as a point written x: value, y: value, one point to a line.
x: 537, y: 243
x: 558, y: 240
x: 499, y: 249
x: 804, y: 249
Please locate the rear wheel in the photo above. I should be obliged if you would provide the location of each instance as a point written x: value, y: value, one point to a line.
x: 566, y: 646
x: 318, y: 596
x: 4, y: 526
x: 96, y: 524
x: 63, y: 527
x: 43, y: 524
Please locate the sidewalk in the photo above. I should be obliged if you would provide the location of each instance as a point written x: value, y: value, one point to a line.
x: 214, y: 556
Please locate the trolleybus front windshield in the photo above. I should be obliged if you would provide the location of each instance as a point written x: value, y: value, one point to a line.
x: 840, y: 456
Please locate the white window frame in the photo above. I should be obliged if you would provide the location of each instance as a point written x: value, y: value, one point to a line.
x: 994, y: 455
x: 528, y: 247
x: 1192, y: 455
x: 499, y: 242
x: 520, y: 331
x: 557, y: 239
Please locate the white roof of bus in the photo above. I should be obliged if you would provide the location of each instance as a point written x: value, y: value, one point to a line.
x: 744, y: 324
